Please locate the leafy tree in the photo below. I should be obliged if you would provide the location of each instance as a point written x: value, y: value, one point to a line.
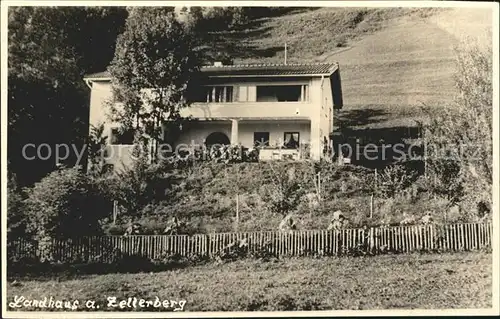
x: 154, y: 62
x: 223, y: 18
x: 218, y: 30
x: 50, y: 49
x: 461, y: 166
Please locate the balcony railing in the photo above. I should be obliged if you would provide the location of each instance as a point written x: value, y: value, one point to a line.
x: 250, y: 110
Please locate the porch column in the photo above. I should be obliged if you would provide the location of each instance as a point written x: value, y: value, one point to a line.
x: 234, y: 132
x: 315, y: 145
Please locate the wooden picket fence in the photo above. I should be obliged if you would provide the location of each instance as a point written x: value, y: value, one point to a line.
x: 359, y: 241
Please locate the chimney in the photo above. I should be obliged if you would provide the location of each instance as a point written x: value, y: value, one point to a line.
x: 218, y: 63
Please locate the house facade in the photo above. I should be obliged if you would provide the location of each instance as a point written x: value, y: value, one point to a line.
x: 279, y: 108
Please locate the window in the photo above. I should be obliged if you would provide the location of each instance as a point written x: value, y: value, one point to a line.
x: 120, y: 137
x: 217, y: 94
x: 291, y: 139
x: 282, y: 93
x: 260, y: 139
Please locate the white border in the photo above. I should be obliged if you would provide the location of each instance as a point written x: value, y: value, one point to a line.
x: 435, y: 312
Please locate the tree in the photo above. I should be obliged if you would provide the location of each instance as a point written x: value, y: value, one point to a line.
x: 463, y: 167
x: 50, y: 49
x: 153, y: 64
x: 216, y: 19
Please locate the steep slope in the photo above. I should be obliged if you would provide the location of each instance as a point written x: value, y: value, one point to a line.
x: 407, y: 64
x: 467, y: 23
x: 393, y: 71
x: 392, y: 60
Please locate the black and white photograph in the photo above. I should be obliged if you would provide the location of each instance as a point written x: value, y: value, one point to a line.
x: 239, y: 158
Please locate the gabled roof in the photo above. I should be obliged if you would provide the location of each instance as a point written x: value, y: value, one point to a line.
x: 252, y: 70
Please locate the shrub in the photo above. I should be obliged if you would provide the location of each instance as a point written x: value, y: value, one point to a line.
x: 394, y: 179
x: 287, y: 187
x: 341, y: 41
x: 139, y: 185
x: 114, y: 229
x: 64, y: 204
x: 346, y: 180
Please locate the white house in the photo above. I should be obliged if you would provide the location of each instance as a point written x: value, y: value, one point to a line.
x: 279, y: 107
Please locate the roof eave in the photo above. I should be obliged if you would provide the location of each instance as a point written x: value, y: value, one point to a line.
x: 329, y: 73
x: 103, y: 79
x: 268, y: 76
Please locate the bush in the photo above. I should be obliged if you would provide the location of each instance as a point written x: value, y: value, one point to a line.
x: 288, y: 186
x: 140, y: 185
x: 66, y: 203
x: 341, y: 42
x: 394, y: 179
x: 114, y: 229
x: 346, y: 180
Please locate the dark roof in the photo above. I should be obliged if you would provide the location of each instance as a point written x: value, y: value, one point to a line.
x: 271, y: 69
x: 316, y: 69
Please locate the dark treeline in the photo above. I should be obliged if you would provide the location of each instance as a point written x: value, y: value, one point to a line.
x: 50, y: 49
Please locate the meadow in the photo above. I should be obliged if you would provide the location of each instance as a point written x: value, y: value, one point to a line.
x: 414, y: 281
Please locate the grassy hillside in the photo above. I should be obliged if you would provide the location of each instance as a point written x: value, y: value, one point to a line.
x: 314, y: 34
x: 392, y: 60
x: 208, y: 196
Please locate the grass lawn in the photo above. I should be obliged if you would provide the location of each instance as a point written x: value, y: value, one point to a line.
x: 460, y: 280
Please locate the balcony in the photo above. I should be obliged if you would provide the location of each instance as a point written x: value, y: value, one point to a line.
x: 264, y: 110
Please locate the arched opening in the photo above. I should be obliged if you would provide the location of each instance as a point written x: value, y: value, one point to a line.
x: 217, y: 138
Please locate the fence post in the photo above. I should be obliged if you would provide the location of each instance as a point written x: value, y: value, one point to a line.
x: 237, y: 219
x: 371, y: 206
x: 490, y: 233
x: 115, y: 211
x: 205, y: 242
x: 371, y: 240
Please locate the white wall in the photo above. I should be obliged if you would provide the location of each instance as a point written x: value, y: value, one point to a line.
x: 117, y: 155
x: 100, y: 96
x: 316, y: 97
x: 276, y: 129
x: 326, y: 126
x: 199, y: 132
x: 100, y: 93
